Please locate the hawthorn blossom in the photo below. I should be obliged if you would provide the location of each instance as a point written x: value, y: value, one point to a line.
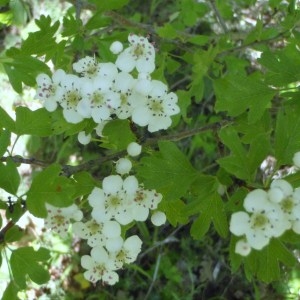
x: 158, y: 109
x: 114, y: 199
x: 144, y: 200
x: 140, y: 55
x: 99, y: 266
x: 70, y: 95
x: 127, y: 251
x: 87, y: 67
x: 98, y: 99
x: 47, y: 90
x: 96, y: 233
x: 262, y: 220
x: 59, y: 218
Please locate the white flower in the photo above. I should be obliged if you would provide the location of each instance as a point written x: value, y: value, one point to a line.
x: 98, y: 99
x: 159, y: 108
x: 124, y: 86
x: 99, y: 266
x: 279, y: 190
x: 140, y: 55
x: 59, y: 218
x: 123, y: 166
x: 134, y: 149
x: 47, y: 89
x: 84, y: 138
x: 296, y: 159
x: 127, y: 252
x: 158, y: 218
x: 70, y: 95
x: 144, y: 200
x: 87, y: 67
x: 116, y: 47
x: 114, y: 199
x: 242, y: 248
x: 265, y: 220
x: 95, y: 233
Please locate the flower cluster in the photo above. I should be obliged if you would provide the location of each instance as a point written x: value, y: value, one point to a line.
x: 268, y: 214
x: 120, y: 201
x: 106, y: 90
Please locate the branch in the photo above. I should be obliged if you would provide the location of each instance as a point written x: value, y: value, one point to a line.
x: 218, y: 15
x: 68, y: 170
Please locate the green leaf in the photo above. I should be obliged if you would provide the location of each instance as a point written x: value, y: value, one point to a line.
x: 282, y: 65
x: 113, y: 138
x: 235, y: 94
x: 168, y: 171
x: 10, y: 292
x: 84, y: 183
x: 287, y: 135
x: 6, y: 121
x: 4, y: 141
x: 48, y: 186
x: 242, y: 163
x: 175, y: 211
x: 25, y: 261
x: 9, y: 178
x: 14, y: 234
x: 36, y: 122
x: 213, y: 212
x: 267, y: 266
x: 23, y: 64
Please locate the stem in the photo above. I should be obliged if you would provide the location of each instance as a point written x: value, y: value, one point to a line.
x: 218, y: 16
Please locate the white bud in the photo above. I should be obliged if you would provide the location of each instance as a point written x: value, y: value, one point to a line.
x: 296, y: 159
x: 116, y: 47
x: 123, y: 166
x: 134, y: 149
x: 242, y: 248
x: 83, y: 138
x: 158, y: 218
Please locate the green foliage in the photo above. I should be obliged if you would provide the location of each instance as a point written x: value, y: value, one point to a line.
x: 10, y: 179
x: 48, y: 186
x: 236, y: 96
x: 25, y: 261
x: 235, y: 111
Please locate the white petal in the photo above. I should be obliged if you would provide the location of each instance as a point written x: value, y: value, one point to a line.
x: 97, y: 197
x: 112, y: 184
x: 99, y: 254
x: 72, y: 116
x: 125, y: 62
x: 111, y: 229
x: 256, y: 200
x: 239, y: 223
x: 282, y: 184
x: 110, y: 277
x: 87, y: 262
x: 134, y: 149
x: 114, y: 244
x: 141, y: 116
x: 133, y: 244
x: 130, y: 185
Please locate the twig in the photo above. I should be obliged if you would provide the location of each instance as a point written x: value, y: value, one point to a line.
x: 3, y: 231
x: 68, y: 170
x: 218, y: 15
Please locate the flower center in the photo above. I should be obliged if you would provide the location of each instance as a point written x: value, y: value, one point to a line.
x: 259, y: 221
x: 113, y: 201
x: 94, y: 227
x: 97, y: 99
x: 138, y: 50
x: 287, y: 205
x: 72, y: 98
